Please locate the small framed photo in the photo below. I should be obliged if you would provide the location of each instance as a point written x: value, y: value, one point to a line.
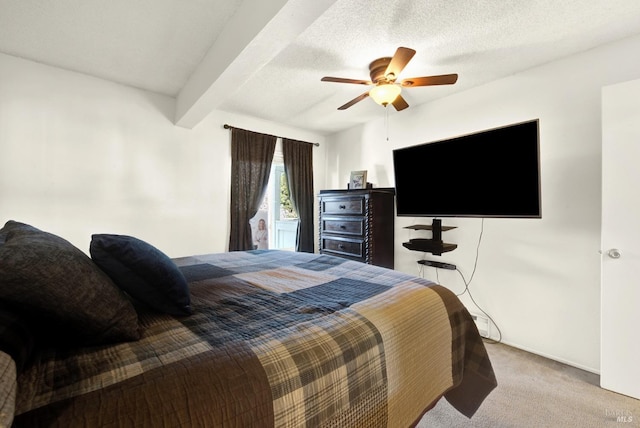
x: 358, y: 180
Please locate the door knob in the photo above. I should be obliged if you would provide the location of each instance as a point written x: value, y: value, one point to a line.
x: 614, y: 253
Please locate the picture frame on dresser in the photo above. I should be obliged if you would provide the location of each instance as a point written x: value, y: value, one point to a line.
x: 358, y: 180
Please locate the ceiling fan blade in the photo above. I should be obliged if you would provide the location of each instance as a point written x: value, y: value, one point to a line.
x: 443, y: 79
x: 342, y: 80
x: 399, y: 61
x: 399, y: 103
x: 353, y: 101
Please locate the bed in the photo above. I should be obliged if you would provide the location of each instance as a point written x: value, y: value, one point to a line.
x: 263, y: 338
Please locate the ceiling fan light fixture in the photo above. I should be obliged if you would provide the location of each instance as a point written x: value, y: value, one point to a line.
x: 386, y: 89
x: 385, y: 94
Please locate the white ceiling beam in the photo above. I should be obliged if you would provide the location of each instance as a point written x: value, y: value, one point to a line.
x: 256, y: 33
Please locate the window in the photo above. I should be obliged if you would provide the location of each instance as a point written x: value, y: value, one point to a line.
x: 276, y: 223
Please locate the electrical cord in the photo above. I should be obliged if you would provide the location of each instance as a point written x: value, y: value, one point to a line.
x: 468, y: 291
x: 466, y: 286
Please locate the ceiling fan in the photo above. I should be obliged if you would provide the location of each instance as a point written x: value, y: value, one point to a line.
x: 384, y: 72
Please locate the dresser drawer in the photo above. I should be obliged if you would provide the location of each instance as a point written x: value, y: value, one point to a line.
x: 353, y: 248
x: 343, y: 226
x: 354, y: 205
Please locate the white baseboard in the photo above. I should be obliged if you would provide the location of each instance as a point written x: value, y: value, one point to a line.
x: 552, y: 357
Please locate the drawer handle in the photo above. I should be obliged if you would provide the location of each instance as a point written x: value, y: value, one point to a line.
x: 343, y: 227
x: 343, y: 207
x: 341, y: 246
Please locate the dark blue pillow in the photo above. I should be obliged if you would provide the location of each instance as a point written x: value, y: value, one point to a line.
x: 144, y: 272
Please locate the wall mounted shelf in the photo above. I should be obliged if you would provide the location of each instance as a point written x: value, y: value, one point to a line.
x: 434, y: 245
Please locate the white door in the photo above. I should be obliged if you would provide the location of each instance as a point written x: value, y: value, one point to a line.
x: 620, y: 282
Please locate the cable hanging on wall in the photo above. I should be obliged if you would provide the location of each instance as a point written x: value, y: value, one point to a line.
x: 467, y: 284
x: 468, y: 291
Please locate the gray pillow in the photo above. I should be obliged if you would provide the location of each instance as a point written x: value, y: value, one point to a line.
x: 61, y: 290
x: 16, y: 337
x: 11, y: 226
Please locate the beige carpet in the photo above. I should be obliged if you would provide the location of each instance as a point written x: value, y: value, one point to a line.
x: 537, y: 392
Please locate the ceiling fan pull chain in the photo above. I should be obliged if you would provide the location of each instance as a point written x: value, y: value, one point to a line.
x: 386, y: 122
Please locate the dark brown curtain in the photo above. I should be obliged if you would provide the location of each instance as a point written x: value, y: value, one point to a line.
x: 251, y: 156
x: 298, y: 166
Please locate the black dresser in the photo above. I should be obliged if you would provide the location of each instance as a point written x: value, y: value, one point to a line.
x: 358, y: 225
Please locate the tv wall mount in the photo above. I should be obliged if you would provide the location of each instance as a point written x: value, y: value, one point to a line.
x: 435, y: 245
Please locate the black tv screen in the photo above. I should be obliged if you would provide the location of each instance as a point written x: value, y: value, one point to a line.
x: 492, y: 173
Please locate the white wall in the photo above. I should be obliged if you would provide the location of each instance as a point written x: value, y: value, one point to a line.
x: 80, y: 155
x: 538, y: 279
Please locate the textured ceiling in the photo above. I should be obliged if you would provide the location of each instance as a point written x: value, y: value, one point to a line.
x: 266, y: 60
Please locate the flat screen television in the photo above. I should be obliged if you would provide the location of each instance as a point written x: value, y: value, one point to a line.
x: 492, y: 173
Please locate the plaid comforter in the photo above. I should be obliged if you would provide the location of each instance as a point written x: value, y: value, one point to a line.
x: 276, y: 339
